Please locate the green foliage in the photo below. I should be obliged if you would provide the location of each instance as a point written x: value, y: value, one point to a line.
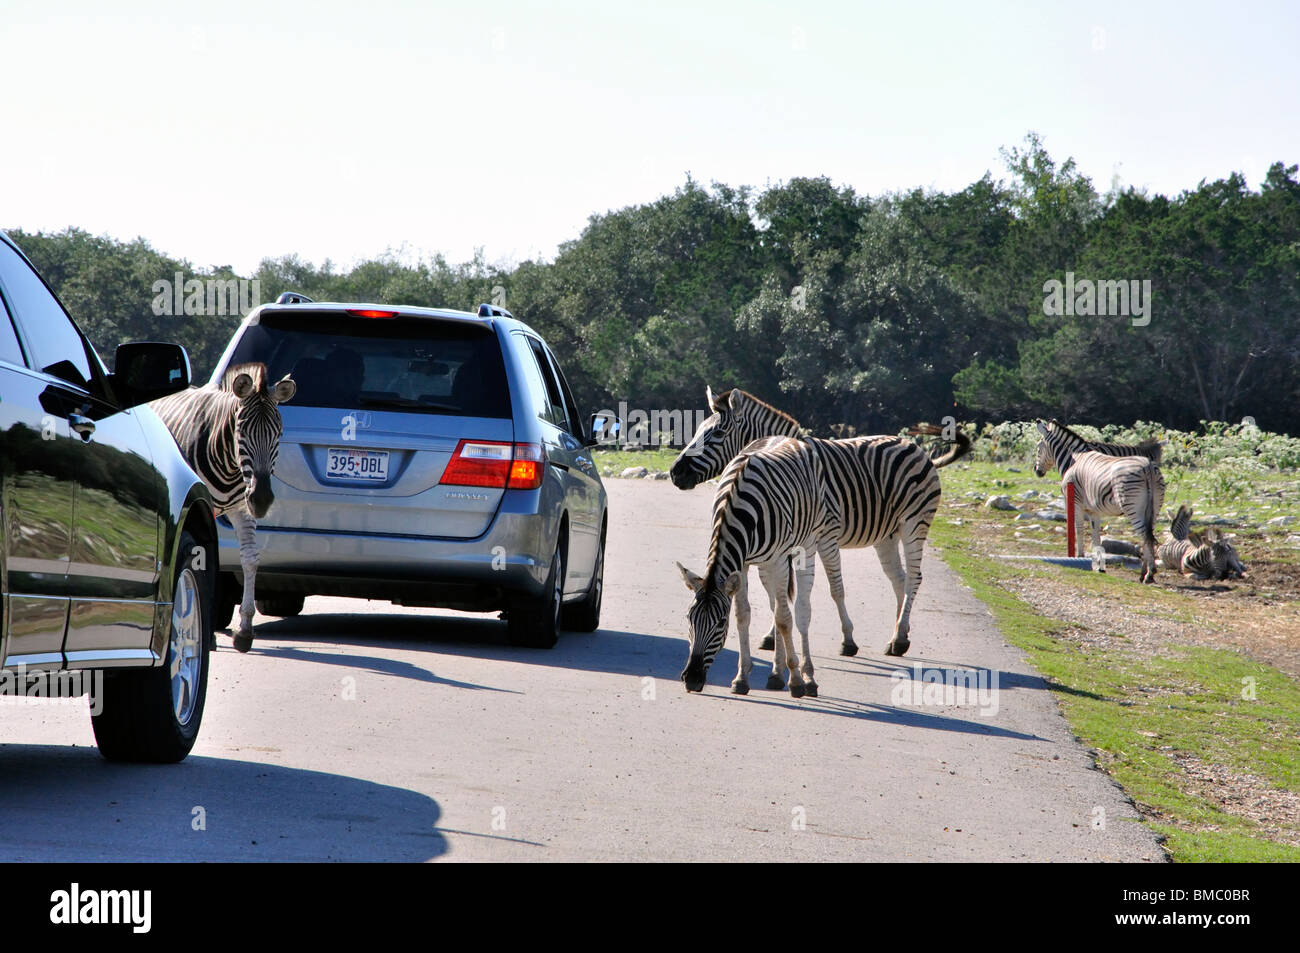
x: 874, y: 312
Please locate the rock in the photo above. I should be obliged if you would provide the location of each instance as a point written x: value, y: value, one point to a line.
x: 634, y: 473
x: 1119, y: 547
x: 999, y: 503
x: 1030, y: 495
x: 1293, y: 539
x: 1013, y: 470
x: 659, y: 475
x: 1281, y: 521
x: 1025, y: 516
x: 1055, y: 516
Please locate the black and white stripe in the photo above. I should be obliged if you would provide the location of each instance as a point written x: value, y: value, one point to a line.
x: 881, y: 491
x: 1207, y: 556
x: 1058, y: 444
x: 1132, y: 487
x: 769, y: 508
x: 230, y: 436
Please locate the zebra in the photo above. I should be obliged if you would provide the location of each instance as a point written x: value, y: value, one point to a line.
x: 1058, y: 440
x: 230, y: 436
x: 770, y: 505
x: 1205, y: 557
x: 1104, y: 485
x: 883, y: 491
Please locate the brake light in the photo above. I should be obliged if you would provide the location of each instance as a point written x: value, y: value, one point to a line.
x: 369, y: 313
x: 491, y: 463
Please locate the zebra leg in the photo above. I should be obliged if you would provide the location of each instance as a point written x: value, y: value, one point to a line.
x: 740, y: 686
x: 775, y: 681
x: 784, y: 630
x: 1098, y: 551
x: 887, y: 550
x: 804, y: 577
x: 769, y: 640
x: 245, y: 530
x: 830, y: 554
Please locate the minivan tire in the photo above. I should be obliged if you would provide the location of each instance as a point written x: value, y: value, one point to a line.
x: 535, y: 624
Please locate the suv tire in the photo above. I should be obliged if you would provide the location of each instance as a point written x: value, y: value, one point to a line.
x: 153, y: 714
x: 536, y: 624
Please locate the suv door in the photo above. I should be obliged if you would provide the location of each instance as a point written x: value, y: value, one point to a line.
x: 98, y: 456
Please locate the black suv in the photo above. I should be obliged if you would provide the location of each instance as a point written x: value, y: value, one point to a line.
x: 109, y: 545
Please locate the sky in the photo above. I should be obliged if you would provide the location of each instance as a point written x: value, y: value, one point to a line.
x: 342, y: 131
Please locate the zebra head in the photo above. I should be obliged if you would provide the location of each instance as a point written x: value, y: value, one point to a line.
x: 1223, y: 557
x: 1051, y: 444
x: 257, y: 429
x: 708, y: 622
x: 738, y: 418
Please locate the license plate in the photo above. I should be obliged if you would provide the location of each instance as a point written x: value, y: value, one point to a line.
x: 357, y: 464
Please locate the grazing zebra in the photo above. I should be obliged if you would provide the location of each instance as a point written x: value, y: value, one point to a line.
x: 1058, y: 442
x: 1104, y: 485
x: 230, y: 436
x: 881, y: 491
x: 769, y: 506
x: 1205, y: 557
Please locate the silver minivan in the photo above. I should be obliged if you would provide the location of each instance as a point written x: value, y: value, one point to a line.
x: 431, y: 458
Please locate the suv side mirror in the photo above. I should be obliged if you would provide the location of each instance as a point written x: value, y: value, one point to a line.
x: 605, y: 429
x: 146, y: 370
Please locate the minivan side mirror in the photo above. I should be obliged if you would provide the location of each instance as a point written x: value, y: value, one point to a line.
x: 146, y: 370
x: 605, y: 430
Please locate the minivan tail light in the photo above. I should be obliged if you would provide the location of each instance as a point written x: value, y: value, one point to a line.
x: 371, y: 313
x: 492, y: 463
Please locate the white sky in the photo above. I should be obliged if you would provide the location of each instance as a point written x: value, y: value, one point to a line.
x: 340, y: 130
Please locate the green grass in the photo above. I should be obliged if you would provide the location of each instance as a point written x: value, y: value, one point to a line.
x: 1139, y: 713
x: 614, y: 462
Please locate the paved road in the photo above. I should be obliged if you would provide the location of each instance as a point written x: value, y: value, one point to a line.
x: 363, y: 731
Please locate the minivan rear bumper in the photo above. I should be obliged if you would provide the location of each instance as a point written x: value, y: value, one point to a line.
x: 489, y: 572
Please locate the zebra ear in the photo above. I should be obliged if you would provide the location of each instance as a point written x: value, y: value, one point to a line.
x: 693, y: 582
x: 242, y: 385
x: 732, y: 584
x: 708, y: 395
x: 1042, y: 428
x: 284, y: 390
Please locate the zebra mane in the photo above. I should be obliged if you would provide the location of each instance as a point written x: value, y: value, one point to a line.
x: 764, y: 405
x: 1150, y: 444
x: 734, y: 473
x: 254, y: 369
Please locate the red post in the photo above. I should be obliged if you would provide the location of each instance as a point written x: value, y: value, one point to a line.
x: 1069, y: 516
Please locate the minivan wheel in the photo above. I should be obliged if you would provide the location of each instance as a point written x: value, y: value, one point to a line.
x: 283, y: 606
x: 536, y: 624
x: 153, y: 714
x: 584, y: 616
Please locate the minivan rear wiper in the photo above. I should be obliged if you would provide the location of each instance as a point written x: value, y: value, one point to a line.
x: 404, y: 403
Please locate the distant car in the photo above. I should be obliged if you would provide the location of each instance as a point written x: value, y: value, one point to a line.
x: 108, y: 554
x: 430, y: 458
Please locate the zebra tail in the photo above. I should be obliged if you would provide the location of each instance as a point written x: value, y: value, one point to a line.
x: 952, y: 456
x: 1150, y: 515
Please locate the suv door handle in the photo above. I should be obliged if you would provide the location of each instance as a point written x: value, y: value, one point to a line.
x: 82, y: 425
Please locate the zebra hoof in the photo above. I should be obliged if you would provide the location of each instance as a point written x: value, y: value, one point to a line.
x: 243, y: 641
x: 775, y: 683
x: 897, y: 648
x: 740, y: 688
x: 768, y: 643
x: 810, y: 689
x: 796, y: 691
x: 849, y: 648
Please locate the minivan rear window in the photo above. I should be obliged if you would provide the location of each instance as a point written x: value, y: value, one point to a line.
x: 414, y: 365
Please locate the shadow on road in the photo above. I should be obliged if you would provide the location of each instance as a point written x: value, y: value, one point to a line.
x: 908, y: 667
x: 68, y: 804
x: 606, y: 650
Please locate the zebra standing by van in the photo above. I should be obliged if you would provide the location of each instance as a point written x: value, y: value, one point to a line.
x: 770, y: 505
x: 1058, y: 442
x: 230, y: 436
x: 882, y: 491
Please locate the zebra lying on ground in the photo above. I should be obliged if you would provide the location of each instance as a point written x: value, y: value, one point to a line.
x: 769, y: 505
x: 1104, y: 485
x: 1058, y: 440
x: 230, y: 436
x: 1205, y: 557
x: 881, y: 491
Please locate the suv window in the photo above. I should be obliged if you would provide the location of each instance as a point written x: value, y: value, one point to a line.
x: 557, y: 412
x: 10, y: 349
x: 58, y: 347
x: 413, y: 365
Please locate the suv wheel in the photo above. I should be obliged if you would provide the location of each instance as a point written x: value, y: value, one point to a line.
x: 536, y: 624
x: 282, y: 606
x: 584, y: 616
x: 153, y: 714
